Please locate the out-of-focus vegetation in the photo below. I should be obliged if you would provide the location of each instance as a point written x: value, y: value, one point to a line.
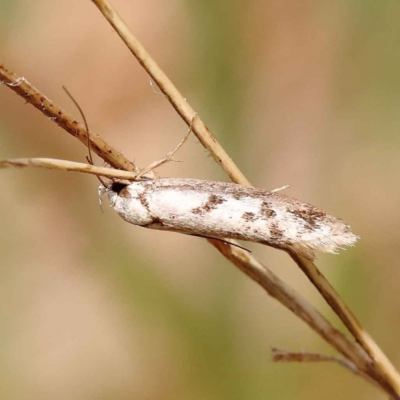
x: 305, y: 93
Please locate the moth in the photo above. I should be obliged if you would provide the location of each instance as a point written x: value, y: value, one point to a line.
x: 228, y: 211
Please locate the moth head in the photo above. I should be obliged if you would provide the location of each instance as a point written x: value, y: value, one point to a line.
x: 117, y: 186
x: 112, y: 189
x: 129, y: 201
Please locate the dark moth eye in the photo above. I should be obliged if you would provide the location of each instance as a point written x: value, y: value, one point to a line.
x: 117, y: 186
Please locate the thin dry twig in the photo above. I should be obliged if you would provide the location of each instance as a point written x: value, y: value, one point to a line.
x: 52, y: 163
x: 280, y: 355
x: 382, y: 363
x: 65, y: 120
x: 176, y: 99
x: 281, y: 291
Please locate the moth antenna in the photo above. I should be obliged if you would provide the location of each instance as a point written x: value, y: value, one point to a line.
x: 89, y: 157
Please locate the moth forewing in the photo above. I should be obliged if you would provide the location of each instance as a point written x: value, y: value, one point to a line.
x: 227, y: 210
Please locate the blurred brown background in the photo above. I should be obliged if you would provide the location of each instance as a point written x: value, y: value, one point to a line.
x: 302, y: 93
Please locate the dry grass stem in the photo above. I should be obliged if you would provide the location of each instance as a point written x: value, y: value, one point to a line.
x: 280, y: 355
x: 382, y: 364
x: 171, y: 92
x: 52, y: 163
x: 66, y: 121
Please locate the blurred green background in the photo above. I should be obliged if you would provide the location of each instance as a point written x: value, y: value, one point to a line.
x: 302, y: 93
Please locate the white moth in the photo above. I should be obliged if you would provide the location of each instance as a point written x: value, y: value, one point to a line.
x: 228, y: 211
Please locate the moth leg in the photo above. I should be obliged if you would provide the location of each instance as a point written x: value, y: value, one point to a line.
x: 102, y: 190
x: 169, y: 156
x: 281, y: 188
